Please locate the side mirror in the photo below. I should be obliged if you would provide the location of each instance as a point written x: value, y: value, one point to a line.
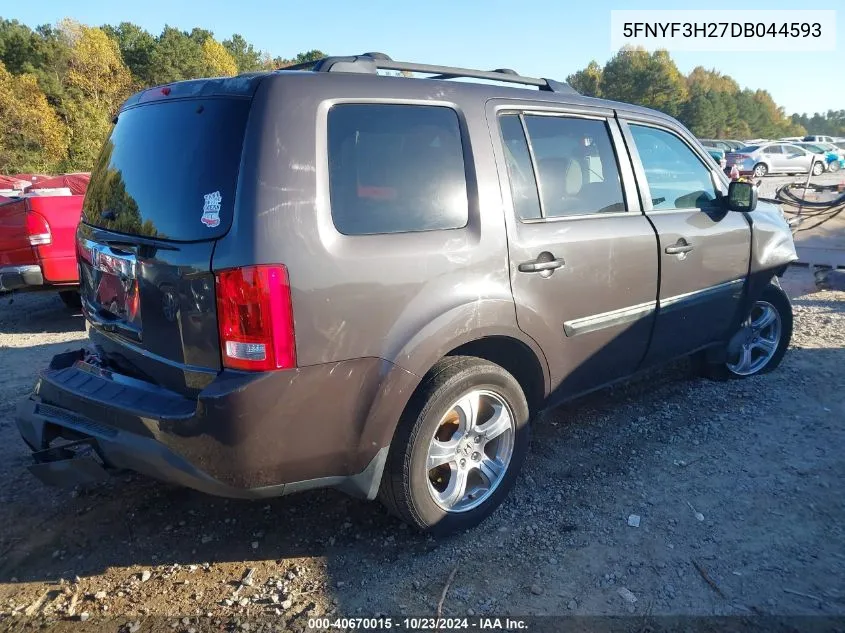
x: 742, y: 196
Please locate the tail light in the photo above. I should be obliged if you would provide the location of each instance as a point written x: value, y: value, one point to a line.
x: 37, y: 229
x: 255, y: 318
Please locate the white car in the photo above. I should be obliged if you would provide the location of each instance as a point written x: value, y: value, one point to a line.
x: 775, y: 158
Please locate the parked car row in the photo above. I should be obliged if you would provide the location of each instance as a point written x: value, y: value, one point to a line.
x: 794, y: 156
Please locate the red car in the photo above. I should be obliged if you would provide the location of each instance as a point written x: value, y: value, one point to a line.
x: 37, y: 242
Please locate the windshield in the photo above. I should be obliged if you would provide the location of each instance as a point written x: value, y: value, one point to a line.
x: 169, y: 170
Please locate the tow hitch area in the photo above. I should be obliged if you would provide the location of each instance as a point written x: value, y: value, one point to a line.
x: 69, y: 465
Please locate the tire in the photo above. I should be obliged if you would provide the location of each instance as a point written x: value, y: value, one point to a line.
x: 760, y: 170
x: 773, y: 299
x: 71, y: 299
x: 432, y: 421
x: 818, y: 168
x: 833, y: 167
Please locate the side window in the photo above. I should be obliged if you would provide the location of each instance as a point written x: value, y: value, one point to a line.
x: 526, y: 200
x: 395, y: 169
x: 773, y: 149
x: 576, y: 165
x: 676, y: 177
x: 795, y: 150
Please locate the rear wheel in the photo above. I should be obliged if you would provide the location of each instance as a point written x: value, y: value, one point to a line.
x: 818, y: 169
x: 71, y: 299
x: 760, y: 170
x: 833, y: 166
x: 761, y: 343
x: 458, y: 448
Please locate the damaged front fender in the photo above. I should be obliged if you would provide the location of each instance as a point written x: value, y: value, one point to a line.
x: 772, y: 246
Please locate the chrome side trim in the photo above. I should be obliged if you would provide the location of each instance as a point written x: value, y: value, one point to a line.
x: 594, y: 322
x: 613, y: 318
x: 699, y: 295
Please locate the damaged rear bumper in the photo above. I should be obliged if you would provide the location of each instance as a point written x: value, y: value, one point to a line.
x: 83, y: 422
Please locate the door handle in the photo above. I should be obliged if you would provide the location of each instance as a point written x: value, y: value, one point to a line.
x: 542, y: 264
x: 679, y: 248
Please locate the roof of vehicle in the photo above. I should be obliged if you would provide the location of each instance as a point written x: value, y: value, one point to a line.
x: 365, y: 68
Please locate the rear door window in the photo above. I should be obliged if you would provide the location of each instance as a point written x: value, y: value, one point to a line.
x: 574, y: 161
x: 396, y: 169
x: 169, y: 170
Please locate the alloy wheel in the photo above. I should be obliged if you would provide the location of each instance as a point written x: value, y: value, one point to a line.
x: 470, y: 451
x: 762, y: 332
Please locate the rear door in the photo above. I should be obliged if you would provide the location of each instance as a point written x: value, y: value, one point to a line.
x: 161, y: 193
x: 583, y: 261
x: 704, y: 250
x: 774, y: 154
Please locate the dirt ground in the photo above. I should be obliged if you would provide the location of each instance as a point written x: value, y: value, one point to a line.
x: 738, y: 487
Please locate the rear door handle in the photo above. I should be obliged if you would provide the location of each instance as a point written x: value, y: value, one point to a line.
x: 542, y: 264
x: 680, y: 247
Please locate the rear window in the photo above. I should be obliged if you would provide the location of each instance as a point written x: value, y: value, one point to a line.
x: 169, y: 170
x: 395, y: 169
x: 748, y: 149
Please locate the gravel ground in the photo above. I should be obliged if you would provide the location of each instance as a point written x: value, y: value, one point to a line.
x: 737, y: 487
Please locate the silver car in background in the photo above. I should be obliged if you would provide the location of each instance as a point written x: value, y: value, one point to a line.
x: 775, y: 158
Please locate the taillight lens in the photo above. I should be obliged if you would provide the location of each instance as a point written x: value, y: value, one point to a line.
x: 37, y: 229
x: 255, y: 316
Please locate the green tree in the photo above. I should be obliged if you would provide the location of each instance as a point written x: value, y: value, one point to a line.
x: 137, y: 47
x: 588, y: 80
x: 32, y: 137
x: 176, y: 56
x: 246, y: 57
x: 651, y: 80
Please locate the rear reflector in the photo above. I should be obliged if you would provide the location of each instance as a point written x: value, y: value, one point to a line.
x: 255, y: 317
x: 37, y: 229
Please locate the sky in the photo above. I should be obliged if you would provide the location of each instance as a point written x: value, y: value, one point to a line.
x: 547, y: 38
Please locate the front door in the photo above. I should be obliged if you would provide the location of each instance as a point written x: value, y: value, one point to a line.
x: 583, y: 259
x: 704, y: 249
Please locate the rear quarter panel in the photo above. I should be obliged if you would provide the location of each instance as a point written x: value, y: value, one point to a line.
x: 369, y: 295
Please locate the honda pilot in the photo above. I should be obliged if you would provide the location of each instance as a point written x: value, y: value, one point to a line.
x: 329, y: 276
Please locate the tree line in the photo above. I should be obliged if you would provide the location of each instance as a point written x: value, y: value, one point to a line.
x: 709, y: 103
x: 61, y: 85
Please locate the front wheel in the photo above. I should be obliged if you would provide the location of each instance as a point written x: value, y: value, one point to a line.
x: 458, y: 448
x: 833, y: 167
x: 818, y: 169
x: 762, y: 340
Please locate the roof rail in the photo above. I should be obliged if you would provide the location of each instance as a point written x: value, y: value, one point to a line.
x: 371, y: 63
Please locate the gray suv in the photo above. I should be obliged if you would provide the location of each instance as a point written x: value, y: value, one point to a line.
x: 327, y: 277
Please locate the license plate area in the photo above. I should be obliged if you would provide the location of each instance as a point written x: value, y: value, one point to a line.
x: 110, y: 288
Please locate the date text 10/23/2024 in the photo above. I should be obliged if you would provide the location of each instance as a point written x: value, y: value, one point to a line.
x: 417, y: 624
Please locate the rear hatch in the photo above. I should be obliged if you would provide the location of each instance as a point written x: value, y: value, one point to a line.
x: 161, y: 194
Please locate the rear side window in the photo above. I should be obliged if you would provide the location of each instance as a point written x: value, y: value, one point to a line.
x: 773, y: 149
x: 396, y: 169
x: 526, y: 201
x: 170, y: 170
x: 576, y: 164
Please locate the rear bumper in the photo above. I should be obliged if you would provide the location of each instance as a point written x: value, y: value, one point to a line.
x: 17, y: 277
x: 213, y: 444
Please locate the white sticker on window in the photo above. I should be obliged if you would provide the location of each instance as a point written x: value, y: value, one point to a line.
x: 211, y: 209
